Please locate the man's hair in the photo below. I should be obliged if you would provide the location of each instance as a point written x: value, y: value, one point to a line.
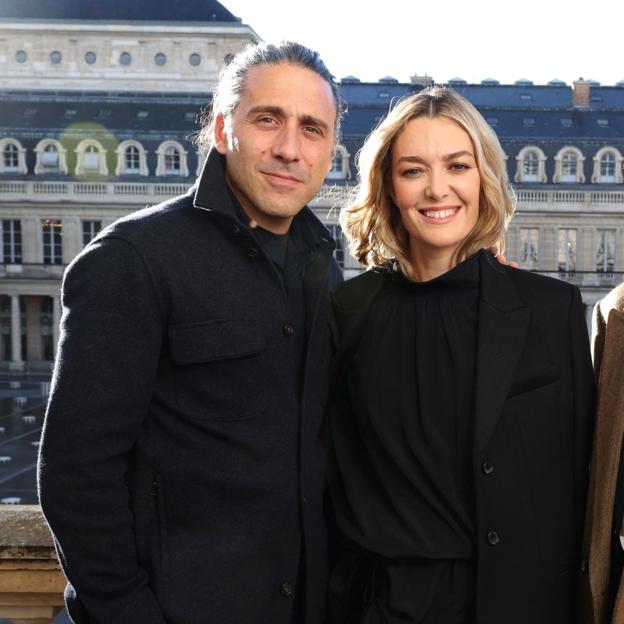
x: 372, y: 222
x: 228, y: 92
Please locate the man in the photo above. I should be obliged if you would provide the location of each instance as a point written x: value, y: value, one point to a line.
x: 181, y: 470
x: 604, y: 530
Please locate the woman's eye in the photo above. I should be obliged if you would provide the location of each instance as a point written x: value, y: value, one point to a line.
x: 459, y: 166
x: 411, y: 172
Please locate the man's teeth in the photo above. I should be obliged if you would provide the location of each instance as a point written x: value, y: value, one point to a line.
x: 439, y: 214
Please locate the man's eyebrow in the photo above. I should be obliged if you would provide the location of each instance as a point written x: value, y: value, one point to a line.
x: 278, y: 110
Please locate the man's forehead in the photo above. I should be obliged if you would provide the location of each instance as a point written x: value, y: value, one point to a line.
x: 292, y: 84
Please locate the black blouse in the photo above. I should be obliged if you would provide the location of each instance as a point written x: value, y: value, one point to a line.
x: 401, y: 482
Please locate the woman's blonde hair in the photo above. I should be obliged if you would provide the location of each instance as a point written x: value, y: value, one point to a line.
x: 372, y: 223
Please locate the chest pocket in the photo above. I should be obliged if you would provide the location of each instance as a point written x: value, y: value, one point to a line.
x: 219, y: 368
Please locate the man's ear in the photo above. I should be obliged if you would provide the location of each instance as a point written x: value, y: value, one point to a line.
x: 220, y: 137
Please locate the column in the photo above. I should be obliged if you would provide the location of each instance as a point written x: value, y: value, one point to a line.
x: 56, y: 321
x: 34, y: 346
x: 16, y: 334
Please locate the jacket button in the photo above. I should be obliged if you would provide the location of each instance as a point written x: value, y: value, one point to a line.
x: 493, y: 538
x: 252, y: 252
x: 286, y: 590
x: 488, y: 467
x: 288, y: 329
x: 235, y: 230
x: 584, y: 566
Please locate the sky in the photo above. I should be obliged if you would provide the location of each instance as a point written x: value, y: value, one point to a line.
x: 539, y: 40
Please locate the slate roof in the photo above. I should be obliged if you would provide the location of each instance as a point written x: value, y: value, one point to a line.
x: 118, y: 11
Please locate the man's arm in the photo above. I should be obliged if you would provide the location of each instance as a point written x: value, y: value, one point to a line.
x: 111, y: 334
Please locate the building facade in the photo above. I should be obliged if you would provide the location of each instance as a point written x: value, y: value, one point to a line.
x: 99, y: 106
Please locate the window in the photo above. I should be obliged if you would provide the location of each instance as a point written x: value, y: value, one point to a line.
x: 567, y: 250
x: 528, y: 122
x: 529, y: 248
x: 50, y: 157
x: 605, y: 253
x: 90, y: 230
x: 90, y: 58
x: 340, y: 164
x: 132, y: 158
x: 603, y: 123
x: 531, y: 165
x: 11, y: 237
x: 21, y: 56
x: 566, y: 122
x: 608, y: 166
x: 339, y: 252
x: 91, y: 158
x: 569, y: 166
x: 125, y: 58
x: 10, y: 157
x: 172, y: 161
x: 51, y: 230
x: 195, y: 59
x: 160, y: 59
x: 55, y: 57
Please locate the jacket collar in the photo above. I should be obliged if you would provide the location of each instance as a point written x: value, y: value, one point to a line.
x: 503, y: 325
x: 213, y: 194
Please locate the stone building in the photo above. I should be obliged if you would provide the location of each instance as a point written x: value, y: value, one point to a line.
x: 99, y: 104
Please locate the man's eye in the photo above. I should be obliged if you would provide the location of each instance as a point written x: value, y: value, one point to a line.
x: 266, y: 120
x: 312, y: 129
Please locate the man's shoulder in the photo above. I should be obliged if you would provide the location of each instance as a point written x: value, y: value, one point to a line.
x: 151, y: 220
x: 613, y: 301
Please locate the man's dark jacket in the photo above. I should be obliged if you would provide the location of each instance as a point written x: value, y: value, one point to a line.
x: 181, y: 469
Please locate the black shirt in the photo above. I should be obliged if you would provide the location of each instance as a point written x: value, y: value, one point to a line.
x: 402, y: 456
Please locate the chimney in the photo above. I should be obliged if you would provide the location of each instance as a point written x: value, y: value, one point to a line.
x: 580, y: 93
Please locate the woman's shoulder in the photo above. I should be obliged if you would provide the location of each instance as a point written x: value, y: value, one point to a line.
x: 541, y: 287
x: 358, y: 292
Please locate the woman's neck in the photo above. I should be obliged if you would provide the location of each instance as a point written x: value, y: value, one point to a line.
x: 430, y: 263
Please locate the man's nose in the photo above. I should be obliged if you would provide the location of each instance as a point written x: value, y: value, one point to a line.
x: 287, y: 144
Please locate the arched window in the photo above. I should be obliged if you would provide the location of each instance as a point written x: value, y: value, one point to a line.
x: 531, y: 165
x: 51, y: 157
x: 91, y: 158
x: 608, y: 166
x: 172, y: 159
x: 569, y: 166
x: 12, y: 157
x: 340, y: 164
x: 131, y: 159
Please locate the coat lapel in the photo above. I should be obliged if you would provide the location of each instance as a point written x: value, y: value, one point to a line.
x: 503, y: 324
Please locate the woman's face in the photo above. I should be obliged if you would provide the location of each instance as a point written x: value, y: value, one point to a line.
x: 435, y: 185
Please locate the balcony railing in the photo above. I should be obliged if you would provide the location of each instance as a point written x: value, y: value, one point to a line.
x: 562, y: 200
x: 90, y: 192
x: 32, y: 271
x: 588, y: 279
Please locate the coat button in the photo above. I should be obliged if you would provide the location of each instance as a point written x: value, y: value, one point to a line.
x: 252, y: 252
x: 286, y: 590
x: 584, y: 566
x: 235, y: 230
x: 488, y: 467
x: 288, y: 329
x: 493, y: 538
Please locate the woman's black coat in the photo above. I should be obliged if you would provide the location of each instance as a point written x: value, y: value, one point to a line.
x: 532, y: 435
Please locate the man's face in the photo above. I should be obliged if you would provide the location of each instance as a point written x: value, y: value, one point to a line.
x: 278, y: 144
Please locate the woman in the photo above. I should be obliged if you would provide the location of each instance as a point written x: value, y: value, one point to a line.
x: 460, y: 421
